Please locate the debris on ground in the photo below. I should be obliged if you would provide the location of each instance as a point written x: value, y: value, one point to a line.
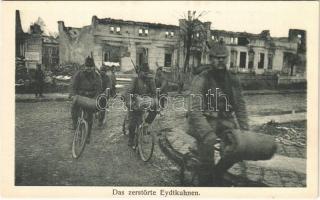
x: 288, y: 134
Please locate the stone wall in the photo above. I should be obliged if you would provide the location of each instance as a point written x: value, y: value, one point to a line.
x: 126, y: 37
x: 33, y: 51
x: 75, y: 44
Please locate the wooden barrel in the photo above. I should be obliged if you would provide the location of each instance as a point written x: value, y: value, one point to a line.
x: 247, y: 145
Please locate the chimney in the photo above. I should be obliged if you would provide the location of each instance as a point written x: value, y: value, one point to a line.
x: 94, y: 20
x: 61, y: 26
x: 189, y: 15
x: 207, y: 25
x: 18, y: 22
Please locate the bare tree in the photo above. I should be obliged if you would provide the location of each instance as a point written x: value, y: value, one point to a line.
x: 192, y: 33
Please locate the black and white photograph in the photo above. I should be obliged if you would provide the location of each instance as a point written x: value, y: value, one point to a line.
x: 164, y: 98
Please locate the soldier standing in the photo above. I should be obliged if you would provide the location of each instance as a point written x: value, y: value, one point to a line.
x: 85, y: 83
x: 39, y: 81
x: 207, y: 124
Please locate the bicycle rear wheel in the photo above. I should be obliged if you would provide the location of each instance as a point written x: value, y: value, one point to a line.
x: 145, y: 143
x: 79, y: 139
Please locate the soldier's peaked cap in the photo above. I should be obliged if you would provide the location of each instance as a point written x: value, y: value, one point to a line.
x: 219, y: 49
x: 89, y: 62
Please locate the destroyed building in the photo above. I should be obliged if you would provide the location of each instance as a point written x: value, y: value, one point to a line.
x: 35, y: 48
x: 129, y: 42
x: 259, y: 53
x: 119, y: 41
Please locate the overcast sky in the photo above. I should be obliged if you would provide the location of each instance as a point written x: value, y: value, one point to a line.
x: 253, y: 17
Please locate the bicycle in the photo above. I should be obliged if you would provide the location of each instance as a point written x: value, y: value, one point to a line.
x: 80, y: 136
x: 144, y: 139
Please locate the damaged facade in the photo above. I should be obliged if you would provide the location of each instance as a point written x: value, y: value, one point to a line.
x: 118, y: 41
x: 260, y: 53
x: 35, y: 48
x: 131, y: 42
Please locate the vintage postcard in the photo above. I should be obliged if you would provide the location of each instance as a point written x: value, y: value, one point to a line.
x: 159, y: 99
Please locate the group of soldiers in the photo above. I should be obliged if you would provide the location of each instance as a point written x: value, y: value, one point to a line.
x: 89, y: 83
x: 205, y: 125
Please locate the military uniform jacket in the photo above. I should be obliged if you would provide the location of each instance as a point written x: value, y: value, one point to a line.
x: 39, y: 76
x: 162, y: 83
x: 106, y: 81
x: 88, y: 85
x: 140, y: 87
x: 198, y: 114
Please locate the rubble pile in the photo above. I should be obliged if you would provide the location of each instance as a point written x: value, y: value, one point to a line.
x: 66, y: 70
x: 22, y: 74
x: 287, y: 134
x: 63, y: 73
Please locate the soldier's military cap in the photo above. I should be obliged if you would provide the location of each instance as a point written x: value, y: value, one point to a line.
x: 218, y: 49
x: 89, y: 62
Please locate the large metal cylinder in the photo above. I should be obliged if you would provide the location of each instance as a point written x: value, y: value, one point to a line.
x: 247, y: 145
x: 145, y: 102
x: 85, y: 102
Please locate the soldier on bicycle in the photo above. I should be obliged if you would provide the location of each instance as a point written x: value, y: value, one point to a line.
x: 161, y: 83
x: 143, y: 85
x: 106, y: 84
x: 206, y: 124
x: 85, y: 83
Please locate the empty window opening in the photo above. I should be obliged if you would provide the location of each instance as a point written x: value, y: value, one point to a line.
x: 168, y: 60
x: 261, y: 61
x: 243, y: 59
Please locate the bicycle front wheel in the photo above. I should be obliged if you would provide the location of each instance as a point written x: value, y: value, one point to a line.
x: 79, y: 139
x: 145, y: 143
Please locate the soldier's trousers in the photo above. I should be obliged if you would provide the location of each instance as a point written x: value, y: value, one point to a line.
x: 102, y: 113
x: 135, y: 119
x: 101, y: 116
x: 209, y: 173
x: 76, y: 112
x: 38, y: 88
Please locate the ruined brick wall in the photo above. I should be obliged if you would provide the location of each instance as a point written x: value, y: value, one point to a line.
x: 33, y: 51
x: 131, y: 43
x: 75, y: 43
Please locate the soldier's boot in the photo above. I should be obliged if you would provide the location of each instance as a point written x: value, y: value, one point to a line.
x: 88, y: 137
x: 221, y: 168
x: 74, y: 115
x: 89, y: 132
x: 131, y: 139
x: 101, y: 117
x: 205, y: 175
